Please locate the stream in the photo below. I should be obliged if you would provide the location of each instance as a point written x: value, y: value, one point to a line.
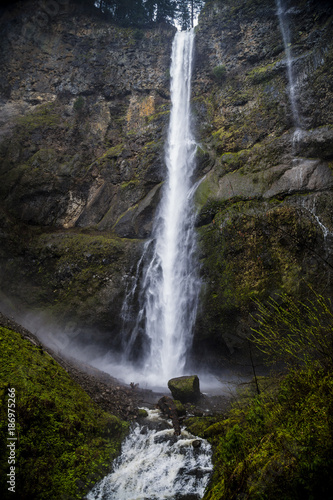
x: 157, y: 465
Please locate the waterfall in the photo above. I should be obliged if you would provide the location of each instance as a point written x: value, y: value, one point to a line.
x: 287, y: 42
x: 156, y: 465
x: 169, y: 282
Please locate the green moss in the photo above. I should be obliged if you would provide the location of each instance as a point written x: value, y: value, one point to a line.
x: 142, y: 413
x: 206, y: 191
x: 157, y: 116
x: 250, y: 249
x: 276, y: 445
x: 44, y: 117
x: 262, y: 73
x: 200, y: 426
x: 129, y: 184
x: 65, y: 442
x: 224, y: 139
x: 181, y: 410
x: 113, y: 152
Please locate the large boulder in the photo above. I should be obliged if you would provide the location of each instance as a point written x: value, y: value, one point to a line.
x: 185, y: 388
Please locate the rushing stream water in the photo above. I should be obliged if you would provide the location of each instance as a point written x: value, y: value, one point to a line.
x: 156, y: 465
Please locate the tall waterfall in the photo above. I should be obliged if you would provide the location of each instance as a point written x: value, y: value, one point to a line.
x: 286, y: 41
x: 169, y: 283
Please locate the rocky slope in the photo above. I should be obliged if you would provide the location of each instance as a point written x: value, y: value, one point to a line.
x: 84, y: 114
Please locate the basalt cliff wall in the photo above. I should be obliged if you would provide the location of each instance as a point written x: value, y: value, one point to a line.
x: 84, y: 115
x: 266, y: 199
x: 85, y: 108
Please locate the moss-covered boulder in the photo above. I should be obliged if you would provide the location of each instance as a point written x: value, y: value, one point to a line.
x: 185, y: 388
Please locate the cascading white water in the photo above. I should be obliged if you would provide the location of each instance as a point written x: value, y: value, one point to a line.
x: 292, y: 88
x: 156, y: 465
x: 169, y: 283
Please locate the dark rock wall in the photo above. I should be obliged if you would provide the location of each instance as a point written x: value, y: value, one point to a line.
x: 265, y: 204
x: 84, y: 113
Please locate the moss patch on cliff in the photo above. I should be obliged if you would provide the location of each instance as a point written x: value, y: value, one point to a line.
x: 249, y: 252
x: 74, y: 276
x: 44, y: 116
x: 65, y: 443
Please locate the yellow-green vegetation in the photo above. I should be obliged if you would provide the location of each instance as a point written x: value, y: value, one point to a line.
x: 296, y: 331
x: 44, y: 116
x: 65, y: 443
x: 262, y: 73
x: 278, y: 444
x: 250, y: 252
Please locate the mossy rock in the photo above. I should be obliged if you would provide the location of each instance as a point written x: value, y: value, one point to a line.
x: 181, y: 410
x: 185, y: 388
x: 142, y: 413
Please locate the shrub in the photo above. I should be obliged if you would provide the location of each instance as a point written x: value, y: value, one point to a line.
x: 78, y: 104
x: 295, y: 331
x: 219, y: 72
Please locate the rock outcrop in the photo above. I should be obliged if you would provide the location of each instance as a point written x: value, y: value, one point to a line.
x: 184, y: 389
x: 265, y: 210
x: 85, y: 107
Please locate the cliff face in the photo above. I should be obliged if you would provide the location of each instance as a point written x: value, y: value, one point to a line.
x: 85, y: 108
x: 266, y: 200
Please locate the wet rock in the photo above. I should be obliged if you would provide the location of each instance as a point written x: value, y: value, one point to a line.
x: 164, y: 438
x: 168, y: 407
x: 185, y: 388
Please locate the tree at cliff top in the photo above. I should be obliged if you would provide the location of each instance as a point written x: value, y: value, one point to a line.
x: 143, y: 12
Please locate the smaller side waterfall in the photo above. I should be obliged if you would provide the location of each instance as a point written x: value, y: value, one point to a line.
x: 292, y: 84
x: 156, y: 465
x: 310, y: 206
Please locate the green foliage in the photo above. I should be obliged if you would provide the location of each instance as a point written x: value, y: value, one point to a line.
x: 137, y: 12
x: 296, y: 331
x: 277, y: 445
x: 145, y: 12
x: 78, y: 104
x: 65, y: 442
x: 219, y: 72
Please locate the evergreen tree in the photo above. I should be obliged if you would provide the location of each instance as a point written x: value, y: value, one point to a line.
x: 183, y: 15
x: 187, y: 10
x: 143, y: 12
